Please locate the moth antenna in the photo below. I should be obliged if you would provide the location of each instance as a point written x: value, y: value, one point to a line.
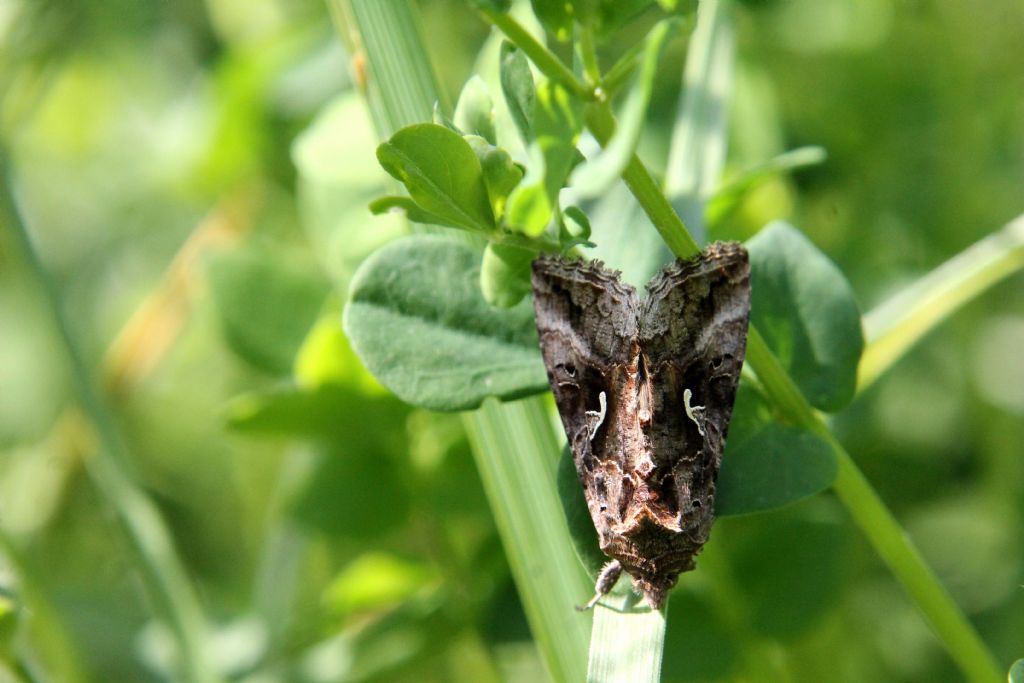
x: 606, y: 580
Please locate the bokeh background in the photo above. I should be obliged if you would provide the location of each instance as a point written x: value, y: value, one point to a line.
x: 194, y: 176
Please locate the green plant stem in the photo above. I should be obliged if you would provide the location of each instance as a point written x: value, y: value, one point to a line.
x: 163, y: 575
x: 514, y: 445
x: 515, y: 448
x: 394, y: 59
x: 627, y: 643
x: 622, y: 69
x: 899, y: 323
x: 852, y: 488
x: 878, y: 524
x: 645, y: 188
x: 545, y: 60
x: 588, y: 53
x: 906, y: 563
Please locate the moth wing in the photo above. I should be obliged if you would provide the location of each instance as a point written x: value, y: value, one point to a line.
x: 587, y: 322
x: 693, y: 332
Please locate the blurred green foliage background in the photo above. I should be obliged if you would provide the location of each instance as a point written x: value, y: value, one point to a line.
x: 195, y: 176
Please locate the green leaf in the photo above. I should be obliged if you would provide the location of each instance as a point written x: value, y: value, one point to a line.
x: 767, y: 465
x: 417, y: 319
x: 1016, y: 674
x: 334, y: 497
x: 556, y: 15
x: 790, y: 567
x: 698, y: 647
x: 413, y: 211
x: 616, y: 13
x: 577, y: 225
x: 266, y: 306
x: 894, y: 327
x: 501, y: 174
x: 581, y: 526
x: 441, y: 172
x: 513, y: 444
x: 474, y: 112
x: 627, y: 639
x: 327, y: 357
x: 574, y: 228
x: 505, y: 274
x: 732, y: 193
x: 353, y: 493
x: 557, y: 115
x: 515, y: 458
x: 595, y: 176
x: 806, y: 311
x: 531, y: 205
x: 557, y: 122
x: 328, y: 410
x: 12, y: 615
x: 440, y: 118
x: 518, y: 87
x: 588, y: 12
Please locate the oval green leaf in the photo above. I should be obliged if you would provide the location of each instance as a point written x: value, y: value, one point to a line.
x: 806, y: 311
x: 266, y: 306
x: 336, y: 500
x: 474, y: 113
x: 330, y: 411
x: 441, y: 172
x: 556, y: 15
x: 557, y: 122
x: 767, y: 465
x: 777, y: 466
x: 1017, y: 672
x: 501, y: 173
x: 413, y: 211
x: 700, y: 647
x: 418, y: 321
x: 790, y: 568
x: 518, y: 88
x: 505, y: 274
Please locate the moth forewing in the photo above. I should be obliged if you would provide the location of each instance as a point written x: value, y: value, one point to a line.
x: 645, y: 393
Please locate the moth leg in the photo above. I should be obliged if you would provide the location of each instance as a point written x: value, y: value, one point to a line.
x: 695, y: 413
x: 610, y: 573
x: 598, y: 415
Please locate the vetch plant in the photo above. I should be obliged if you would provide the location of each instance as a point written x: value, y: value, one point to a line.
x: 189, y: 427
x: 440, y: 319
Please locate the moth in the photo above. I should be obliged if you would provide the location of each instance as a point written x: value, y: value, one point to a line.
x: 645, y: 390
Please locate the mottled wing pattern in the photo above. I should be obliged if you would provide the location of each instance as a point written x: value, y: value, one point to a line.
x: 693, y: 330
x: 587, y: 323
x: 645, y: 392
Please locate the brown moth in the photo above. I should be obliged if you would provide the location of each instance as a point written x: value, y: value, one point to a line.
x: 645, y: 390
